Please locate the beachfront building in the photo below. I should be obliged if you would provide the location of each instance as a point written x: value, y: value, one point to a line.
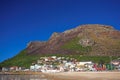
x: 5, y: 69
x: 14, y: 68
x: 116, y: 63
x: 84, y: 65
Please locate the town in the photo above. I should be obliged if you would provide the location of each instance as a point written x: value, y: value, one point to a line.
x: 65, y: 64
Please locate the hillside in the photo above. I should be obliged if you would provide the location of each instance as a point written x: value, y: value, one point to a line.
x: 101, y: 40
x: 86, y: 42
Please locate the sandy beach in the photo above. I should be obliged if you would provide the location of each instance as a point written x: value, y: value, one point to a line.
x: 72, y: 75
x: 84, y: 76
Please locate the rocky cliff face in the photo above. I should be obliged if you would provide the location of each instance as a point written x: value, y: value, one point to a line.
x: 88, y: 39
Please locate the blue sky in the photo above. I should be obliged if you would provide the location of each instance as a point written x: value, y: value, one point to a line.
x: 22, y: 21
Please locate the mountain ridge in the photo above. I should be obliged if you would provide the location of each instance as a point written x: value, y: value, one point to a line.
x: 97, y: 37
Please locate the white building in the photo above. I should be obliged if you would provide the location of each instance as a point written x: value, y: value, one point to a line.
x: 85, y: 62
x: 35, y: 67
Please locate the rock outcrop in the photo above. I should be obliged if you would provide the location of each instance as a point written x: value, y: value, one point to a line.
x: 87, y: 39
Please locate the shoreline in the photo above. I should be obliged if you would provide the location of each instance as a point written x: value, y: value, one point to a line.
x: 72, y: 75
x: 21, y: 73
x: 85, y: 76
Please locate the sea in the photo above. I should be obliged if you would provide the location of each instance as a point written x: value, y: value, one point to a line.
x: 23, y: 77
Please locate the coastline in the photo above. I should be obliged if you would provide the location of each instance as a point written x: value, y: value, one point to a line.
x: 21, y: 73
x: 84, y: 76
x: 72, y: 75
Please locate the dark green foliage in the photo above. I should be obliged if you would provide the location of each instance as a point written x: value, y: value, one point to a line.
x: 95, y: 59
x: 74, y: 45
x: 24, y: 60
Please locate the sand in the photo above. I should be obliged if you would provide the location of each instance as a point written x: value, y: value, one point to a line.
x: 84, y: 76
x: 74, y: 75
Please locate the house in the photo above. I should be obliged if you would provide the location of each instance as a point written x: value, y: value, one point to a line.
x: 32, y: 67
x: 54, y: 57
x: 90, y: 66
x: 39, y: 61
x: 51, y: 59
x: 14, y: 68
x: 35, y: 67
x: 85, y: 62
x: 59, y: 58
x: 80, y: 66
x: 115, y: 62
x: 5, y: 69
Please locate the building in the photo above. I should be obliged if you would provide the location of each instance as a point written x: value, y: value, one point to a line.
x: 5, y: 69
x: 14, y: 68
x: 115, y: 62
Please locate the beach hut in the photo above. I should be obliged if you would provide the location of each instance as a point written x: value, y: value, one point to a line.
x: 109, y: 66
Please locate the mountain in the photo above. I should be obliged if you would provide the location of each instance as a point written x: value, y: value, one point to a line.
x: 92, y: 42
x: 94, y: 39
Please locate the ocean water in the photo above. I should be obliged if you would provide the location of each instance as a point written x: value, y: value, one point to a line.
x: 22, y: 77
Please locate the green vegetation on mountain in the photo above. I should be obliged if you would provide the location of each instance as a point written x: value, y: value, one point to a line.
x: 75, y: 46
x: 24, y: 60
